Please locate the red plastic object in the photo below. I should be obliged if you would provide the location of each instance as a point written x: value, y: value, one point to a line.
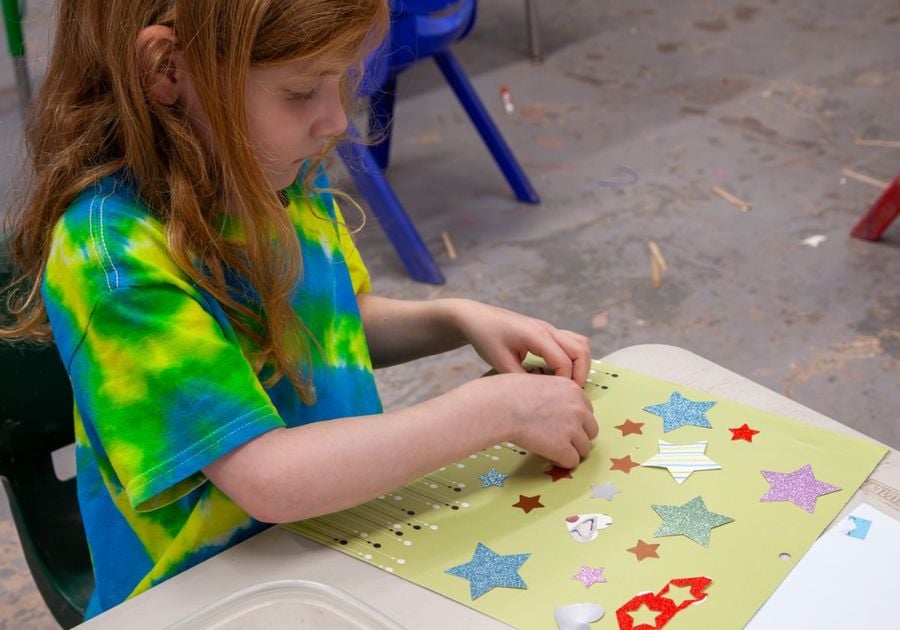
x: 880, y: 216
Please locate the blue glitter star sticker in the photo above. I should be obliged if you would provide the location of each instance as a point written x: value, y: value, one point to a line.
x: 681, y: 411
x: 492, y: 478
x: 487, y: 570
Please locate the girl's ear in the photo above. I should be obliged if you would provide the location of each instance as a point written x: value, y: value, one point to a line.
x: 159, y: 59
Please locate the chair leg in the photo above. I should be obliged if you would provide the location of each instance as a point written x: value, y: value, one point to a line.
x: 873, y: 224
x: 12, y: 17
x: 504, y: 157
x: 394, y: 221
x: 381, y: 121
x: 532, y: 23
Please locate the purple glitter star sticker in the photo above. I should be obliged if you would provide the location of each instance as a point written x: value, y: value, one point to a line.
x: 589, y: 575
x: 799, y: 487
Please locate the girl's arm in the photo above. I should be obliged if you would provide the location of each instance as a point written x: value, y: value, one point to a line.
x: 402, y: 330
x: 293, y: 474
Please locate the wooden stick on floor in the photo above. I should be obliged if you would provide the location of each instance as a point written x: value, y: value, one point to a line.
x: 872, y: 142
x: 865, y: 179
x: 658, y: 266
x: 727, y: 196
x: 448, y: 245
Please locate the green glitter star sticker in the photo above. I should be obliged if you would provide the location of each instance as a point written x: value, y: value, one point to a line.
x: 691, y: 519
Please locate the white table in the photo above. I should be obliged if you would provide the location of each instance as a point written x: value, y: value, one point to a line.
x: 279, y: 555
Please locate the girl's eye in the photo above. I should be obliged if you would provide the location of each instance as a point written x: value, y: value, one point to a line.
x: 302, y: 96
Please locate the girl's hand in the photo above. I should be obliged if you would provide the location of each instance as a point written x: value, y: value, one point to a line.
x: 503, y: 338
x: 547, y: 415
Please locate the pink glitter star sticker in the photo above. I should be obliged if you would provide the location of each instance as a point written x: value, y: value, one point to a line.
x: 799, y: 487
x: 589, y: 576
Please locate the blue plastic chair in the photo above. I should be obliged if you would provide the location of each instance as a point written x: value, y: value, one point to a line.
x: 420, y: 29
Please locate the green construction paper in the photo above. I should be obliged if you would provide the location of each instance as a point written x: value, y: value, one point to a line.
x: 434, y: 523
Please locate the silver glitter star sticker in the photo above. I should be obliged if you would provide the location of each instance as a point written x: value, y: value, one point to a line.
x: 606, y: 491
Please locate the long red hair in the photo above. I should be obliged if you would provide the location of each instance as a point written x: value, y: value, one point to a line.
x: 93, y: 116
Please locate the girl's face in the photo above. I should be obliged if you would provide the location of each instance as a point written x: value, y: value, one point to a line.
x: 293, y: 109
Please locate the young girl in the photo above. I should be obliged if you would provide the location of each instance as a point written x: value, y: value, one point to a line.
x: 181, y: 248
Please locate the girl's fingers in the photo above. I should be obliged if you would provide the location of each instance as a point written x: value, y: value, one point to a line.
x: 578, y: 350
x: 557, y: 359
x: 508, y: 363
x: 569, y: 459
x: 582, y: 444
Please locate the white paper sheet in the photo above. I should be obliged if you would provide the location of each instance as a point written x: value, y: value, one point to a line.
x: 842, y: 582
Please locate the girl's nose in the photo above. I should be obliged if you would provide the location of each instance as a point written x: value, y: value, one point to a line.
x: 332, y: 119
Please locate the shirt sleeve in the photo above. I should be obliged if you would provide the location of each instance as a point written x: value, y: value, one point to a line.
x: 164, y: 390
x: 359, y: 275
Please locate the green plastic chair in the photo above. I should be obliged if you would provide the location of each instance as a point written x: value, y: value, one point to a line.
x: 13, y: 12
x: 35, y: 420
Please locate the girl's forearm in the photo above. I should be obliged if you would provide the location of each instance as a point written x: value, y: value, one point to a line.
x: 293, y: 474
x: 403, y: 330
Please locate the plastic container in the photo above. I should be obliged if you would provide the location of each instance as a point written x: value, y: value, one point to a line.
x: 288, y: 604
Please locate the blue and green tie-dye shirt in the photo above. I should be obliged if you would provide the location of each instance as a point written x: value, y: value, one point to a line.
x: 162, y: 385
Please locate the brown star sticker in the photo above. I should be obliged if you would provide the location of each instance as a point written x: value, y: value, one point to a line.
x: 644, y: 550
x: 743, y: 433
x: 625, y: 464
x: 630, y: 428
x: 528, y: 503
x: 557, y: 473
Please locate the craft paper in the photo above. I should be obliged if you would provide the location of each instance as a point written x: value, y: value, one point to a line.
x: 842, y: 582
x: 441, y: 518
x: 682, y: 459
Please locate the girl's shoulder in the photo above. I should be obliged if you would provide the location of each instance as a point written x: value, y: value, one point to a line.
x: 109, y: 205
x: 108, y: 238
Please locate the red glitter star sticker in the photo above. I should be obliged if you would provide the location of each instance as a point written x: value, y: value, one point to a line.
x: 644, y: 550
x: 557, y: 473
x: 628, y: 428
x: 697, y: 586
x: 664, y: 609
x: 743, y: 433
x: 660, y: 607
x: 528, y: 503
x: 625, y: 464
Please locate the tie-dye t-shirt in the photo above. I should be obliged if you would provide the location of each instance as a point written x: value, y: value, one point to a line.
x: 162, y: 387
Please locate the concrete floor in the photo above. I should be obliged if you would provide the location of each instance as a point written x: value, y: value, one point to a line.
x: 762, y: 98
